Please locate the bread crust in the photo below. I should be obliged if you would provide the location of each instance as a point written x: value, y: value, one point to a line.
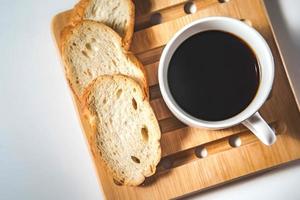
x: 67, y: 33
x: 80, y: 8
x: 90, y: 116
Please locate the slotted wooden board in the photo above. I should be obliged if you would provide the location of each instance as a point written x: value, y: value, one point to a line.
x: 180, y: 171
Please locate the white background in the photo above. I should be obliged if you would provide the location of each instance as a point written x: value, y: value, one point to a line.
x: 43, y: 155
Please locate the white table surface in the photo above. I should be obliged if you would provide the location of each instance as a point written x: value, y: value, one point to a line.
x: 43, y: 154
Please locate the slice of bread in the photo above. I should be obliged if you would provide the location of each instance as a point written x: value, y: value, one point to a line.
x: 126, y: 129
x: 117, y: 14
x: 91, y: 49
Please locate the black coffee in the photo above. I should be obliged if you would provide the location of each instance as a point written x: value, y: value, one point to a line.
x: 213, y: 75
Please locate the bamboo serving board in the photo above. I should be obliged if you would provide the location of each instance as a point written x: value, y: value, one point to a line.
x: 195, y: 159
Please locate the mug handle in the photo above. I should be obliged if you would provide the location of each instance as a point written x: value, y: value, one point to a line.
x: 257, y: 125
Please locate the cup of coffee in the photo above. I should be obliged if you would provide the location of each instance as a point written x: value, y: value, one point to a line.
x: 216, y: 73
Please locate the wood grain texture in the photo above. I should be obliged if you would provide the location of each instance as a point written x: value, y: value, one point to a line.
x: 181, y: 172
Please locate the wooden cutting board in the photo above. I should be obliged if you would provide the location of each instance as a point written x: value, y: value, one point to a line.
x: 195, y: 159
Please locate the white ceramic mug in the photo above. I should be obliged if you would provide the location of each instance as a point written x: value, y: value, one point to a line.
x: 249, y: 116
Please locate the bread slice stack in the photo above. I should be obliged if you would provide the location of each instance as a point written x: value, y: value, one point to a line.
x: 110, y: 84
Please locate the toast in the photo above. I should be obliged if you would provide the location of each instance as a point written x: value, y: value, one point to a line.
x: 127, y: 132
x: 90, y: 49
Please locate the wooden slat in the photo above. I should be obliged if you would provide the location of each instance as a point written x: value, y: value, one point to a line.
x: 150, y: 56
x: 154, y: 92
x: 169, y: 13
x: 145, y: 7
x: 152, y: 75
x: 160, y: 109
x: 220, y: 145
x: 170, y: 124
x: 188, y: 137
